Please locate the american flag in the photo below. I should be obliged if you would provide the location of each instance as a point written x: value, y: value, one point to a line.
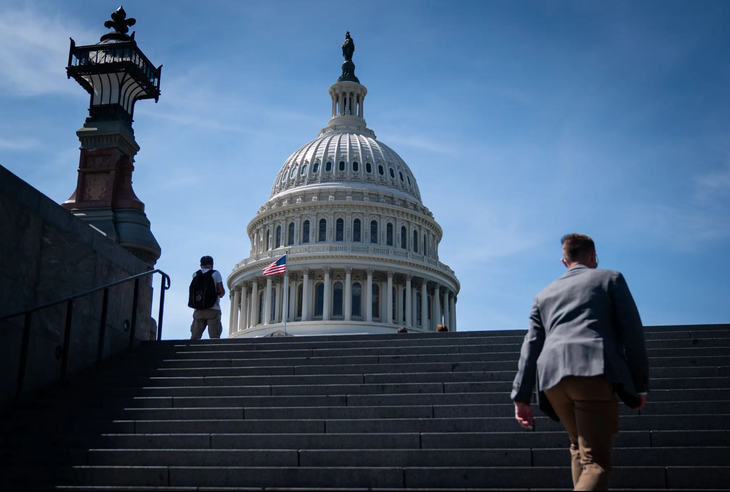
x: 279, y: 266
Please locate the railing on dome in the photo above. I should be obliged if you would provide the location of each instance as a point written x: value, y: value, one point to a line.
x: 348, y: 248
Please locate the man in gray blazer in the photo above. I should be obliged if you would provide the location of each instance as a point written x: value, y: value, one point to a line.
x: 585, y: 343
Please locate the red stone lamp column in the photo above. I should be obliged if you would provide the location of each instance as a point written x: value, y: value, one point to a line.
x: 116, y: 74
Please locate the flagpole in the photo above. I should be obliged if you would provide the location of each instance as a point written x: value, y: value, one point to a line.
x: 286, y: 296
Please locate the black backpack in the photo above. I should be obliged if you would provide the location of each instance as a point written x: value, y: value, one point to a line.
x: 203, y: 291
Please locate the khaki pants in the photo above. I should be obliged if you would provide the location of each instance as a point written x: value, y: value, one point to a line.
x: 588, y: 409
x: 206, y: 317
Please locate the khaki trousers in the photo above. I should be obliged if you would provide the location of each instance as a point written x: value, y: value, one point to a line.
x: 588, y: 409
x: 206, y: 317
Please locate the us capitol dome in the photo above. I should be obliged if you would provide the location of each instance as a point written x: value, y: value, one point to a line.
x: 362, y: 249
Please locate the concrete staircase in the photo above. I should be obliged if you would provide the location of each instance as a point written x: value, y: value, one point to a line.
x: 405, y: 411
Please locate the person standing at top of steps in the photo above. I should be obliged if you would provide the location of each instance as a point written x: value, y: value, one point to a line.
x: 585, y: 342
x: 206, y: 289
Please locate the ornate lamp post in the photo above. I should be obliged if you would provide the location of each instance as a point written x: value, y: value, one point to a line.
x: 116, y: 74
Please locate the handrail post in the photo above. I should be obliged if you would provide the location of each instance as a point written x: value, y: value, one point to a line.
x: 102, y: 328
x: 23, y: 355
x: 163, y: 287
x: 135, y: 300
x: 66, y: 339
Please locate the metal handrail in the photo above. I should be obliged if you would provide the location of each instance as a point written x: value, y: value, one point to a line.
x: 164, y: 285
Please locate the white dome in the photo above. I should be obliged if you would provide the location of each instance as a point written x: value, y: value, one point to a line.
x: 350, y: 159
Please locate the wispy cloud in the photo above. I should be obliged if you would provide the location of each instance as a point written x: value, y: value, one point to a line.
x: 32, y: 60
x: 418, y: 142
x: 18, y: 144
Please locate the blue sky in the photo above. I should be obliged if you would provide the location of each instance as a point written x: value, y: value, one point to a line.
x: 522, y: 121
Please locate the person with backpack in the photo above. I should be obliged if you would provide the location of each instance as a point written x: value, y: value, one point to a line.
x: 206, y: 289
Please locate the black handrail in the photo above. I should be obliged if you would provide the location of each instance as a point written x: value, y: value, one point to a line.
x: 164, y: 285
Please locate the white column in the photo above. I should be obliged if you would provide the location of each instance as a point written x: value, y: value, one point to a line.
x: 362, y: 103
x: 327, y: 304
x: 424, y: 304
x: 305, y: 296
x: 267, y: 301
x: 453, y: 313
x: 348, y: 294
x: 255, y: 306
x: 293, y: 289
x: 399, y: 294
x: 409, y: 301
x: 389, y: 297
x: 234, y: 310
x: 447, y: 320
x: 242, y: 319
x: 341, y: 108
x: 369, y: 296
x: 414, y: 305
x: 333, y: 106
x: 436, y: 305
x: 279, y: 302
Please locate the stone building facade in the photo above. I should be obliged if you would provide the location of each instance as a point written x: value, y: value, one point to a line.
x: 362, y: 248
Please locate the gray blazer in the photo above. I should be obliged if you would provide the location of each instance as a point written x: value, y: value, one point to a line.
x: 583, y: 324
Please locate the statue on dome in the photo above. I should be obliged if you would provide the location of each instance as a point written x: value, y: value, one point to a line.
x: 348, y: 48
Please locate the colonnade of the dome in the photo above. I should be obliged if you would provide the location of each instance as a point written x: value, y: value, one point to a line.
x: 329, y: 294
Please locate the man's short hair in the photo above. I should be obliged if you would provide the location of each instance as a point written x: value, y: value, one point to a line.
x: 576, y: 247
x: 206, y: 260
x: 442, y: 327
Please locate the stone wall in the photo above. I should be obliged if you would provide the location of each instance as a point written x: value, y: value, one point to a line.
x: 49, y: 254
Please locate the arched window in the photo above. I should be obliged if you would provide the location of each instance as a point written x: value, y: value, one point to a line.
x: 304, y: 170
x: 392, y: 174
x: 425, y: 245
x: 337, y: 300
x: 409, y: 180
x: 418, y: 308
x: 315, y: 168
x: 293, y: 172
x: 305, y: 232
x: 300, y: 293
x: 328, y: 166
x: 342, y: 165
x: 415, y: 241
x: 403, y: 238
x: 400, y: 173
x: 272, y: 306
x: 376, y: 301
x: 339, y: 230
x: 368, y: 168
x: 290, y: 239
x: 355, y: 166
x: 374, y: 231
x: 356, y: 230
x: 389, y: 234
x: 319, y: 299
x: 322, y: 230
x: 268, y: 240
x: 278, y: 236
x: 356, y: 299
x: 381, y: 171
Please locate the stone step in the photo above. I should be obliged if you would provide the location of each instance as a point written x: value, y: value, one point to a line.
x: 649, y: 456
x: 26, y: 434
x: 349, y: 478
x: 435, y: 386
x: 310, y: 367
